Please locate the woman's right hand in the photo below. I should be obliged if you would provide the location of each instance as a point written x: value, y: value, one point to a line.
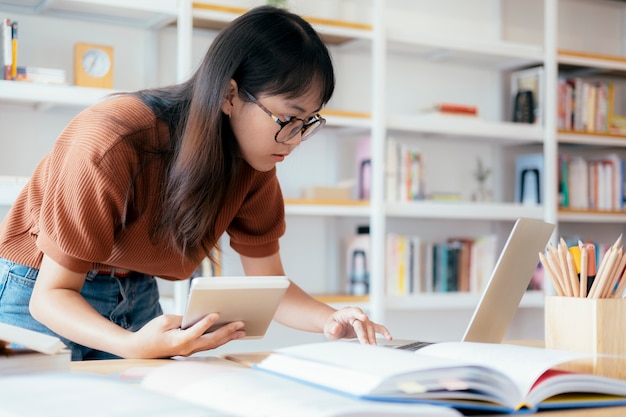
x: 162, y: 337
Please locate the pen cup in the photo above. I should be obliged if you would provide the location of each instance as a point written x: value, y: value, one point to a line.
x: 588, y: 325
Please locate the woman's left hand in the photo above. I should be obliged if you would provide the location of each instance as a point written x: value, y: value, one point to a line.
x: 351, y: 322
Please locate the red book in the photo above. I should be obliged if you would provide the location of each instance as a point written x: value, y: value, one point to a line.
x: 457, y: 108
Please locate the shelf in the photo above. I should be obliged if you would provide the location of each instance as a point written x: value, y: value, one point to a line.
x: 467, y: 126
x: 344, y: 300
x: 336, y: 32
x: 428, y: 301
x: 453, y: 301
x: 594, y: 139
x: 586, y: 216
x: 135, y: 13
x: 43, y: 96
x: 416, y: 209
x: 463, y: 210
x: 609, y: 63
x: 351, y: 208
x: 342, y: 118
x: 493, y: 54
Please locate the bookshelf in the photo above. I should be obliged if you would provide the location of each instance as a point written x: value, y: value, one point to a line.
x: 468, y: 55
x: 363, y: 40
x: 576, y: 57
x: 393, y: 58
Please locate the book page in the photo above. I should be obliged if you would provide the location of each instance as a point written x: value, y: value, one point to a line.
x: 250, y: 393
x: 364, y: 370
x: 522, y: 364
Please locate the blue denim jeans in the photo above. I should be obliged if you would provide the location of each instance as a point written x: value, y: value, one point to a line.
x: 129, y: 302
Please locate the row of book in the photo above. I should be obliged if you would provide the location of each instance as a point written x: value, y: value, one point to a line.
x: 591, y: 183
x: 404, y: 172
x: 589, y: 105
x: 9, y: 60
x: 404, y: 167
x: 415, y: 265
x: 585, y: 104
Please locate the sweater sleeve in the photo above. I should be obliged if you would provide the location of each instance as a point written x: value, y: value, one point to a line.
x: 260, y: 221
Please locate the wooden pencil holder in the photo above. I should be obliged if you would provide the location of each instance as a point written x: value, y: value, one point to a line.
x: 589, y: 325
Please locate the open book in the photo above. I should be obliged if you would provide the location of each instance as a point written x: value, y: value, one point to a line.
x: 464, y: 375
x: 244, y: 392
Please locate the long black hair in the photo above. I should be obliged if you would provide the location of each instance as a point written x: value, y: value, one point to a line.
x: 267, y: 50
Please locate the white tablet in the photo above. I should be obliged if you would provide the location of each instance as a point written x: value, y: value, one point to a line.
x: 253, y: 300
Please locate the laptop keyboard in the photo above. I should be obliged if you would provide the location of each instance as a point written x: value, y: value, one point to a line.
x: 413, y: 346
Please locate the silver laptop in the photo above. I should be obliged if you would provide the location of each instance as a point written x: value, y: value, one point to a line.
x: 506, y: 286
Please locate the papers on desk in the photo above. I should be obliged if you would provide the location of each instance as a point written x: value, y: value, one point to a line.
x: 81, y: 395
x: 31, y: 351
x: 246, y: 392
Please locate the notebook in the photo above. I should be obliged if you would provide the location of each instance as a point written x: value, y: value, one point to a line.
x: 506, y: 285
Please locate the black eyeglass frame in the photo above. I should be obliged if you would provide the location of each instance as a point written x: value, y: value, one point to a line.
x: 317, y: 119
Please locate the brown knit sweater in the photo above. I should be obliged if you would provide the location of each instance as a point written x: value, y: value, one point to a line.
x: 72, y: 207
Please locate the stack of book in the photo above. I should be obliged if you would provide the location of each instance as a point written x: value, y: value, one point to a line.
x: 26, y: 351
x: 404, y: 172
x: 9, y: 61
x: 454, y: 109
x: 41, y: 75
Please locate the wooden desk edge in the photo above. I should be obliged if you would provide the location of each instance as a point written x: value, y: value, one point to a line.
x: 114, y: 366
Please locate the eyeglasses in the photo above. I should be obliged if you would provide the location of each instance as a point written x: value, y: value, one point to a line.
x: 294, y: 125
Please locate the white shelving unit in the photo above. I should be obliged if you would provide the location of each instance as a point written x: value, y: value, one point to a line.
x: 389, y: 82
x: 606, y: 58
x: 378, y: 41
x: 491, y: 131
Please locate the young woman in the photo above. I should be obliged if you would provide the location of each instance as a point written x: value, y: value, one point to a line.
x: 144, y: 184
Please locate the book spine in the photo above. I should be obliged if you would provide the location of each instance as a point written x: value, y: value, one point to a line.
x: 7, y: 49
x: 14, y: 27
x: 392, y: 171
